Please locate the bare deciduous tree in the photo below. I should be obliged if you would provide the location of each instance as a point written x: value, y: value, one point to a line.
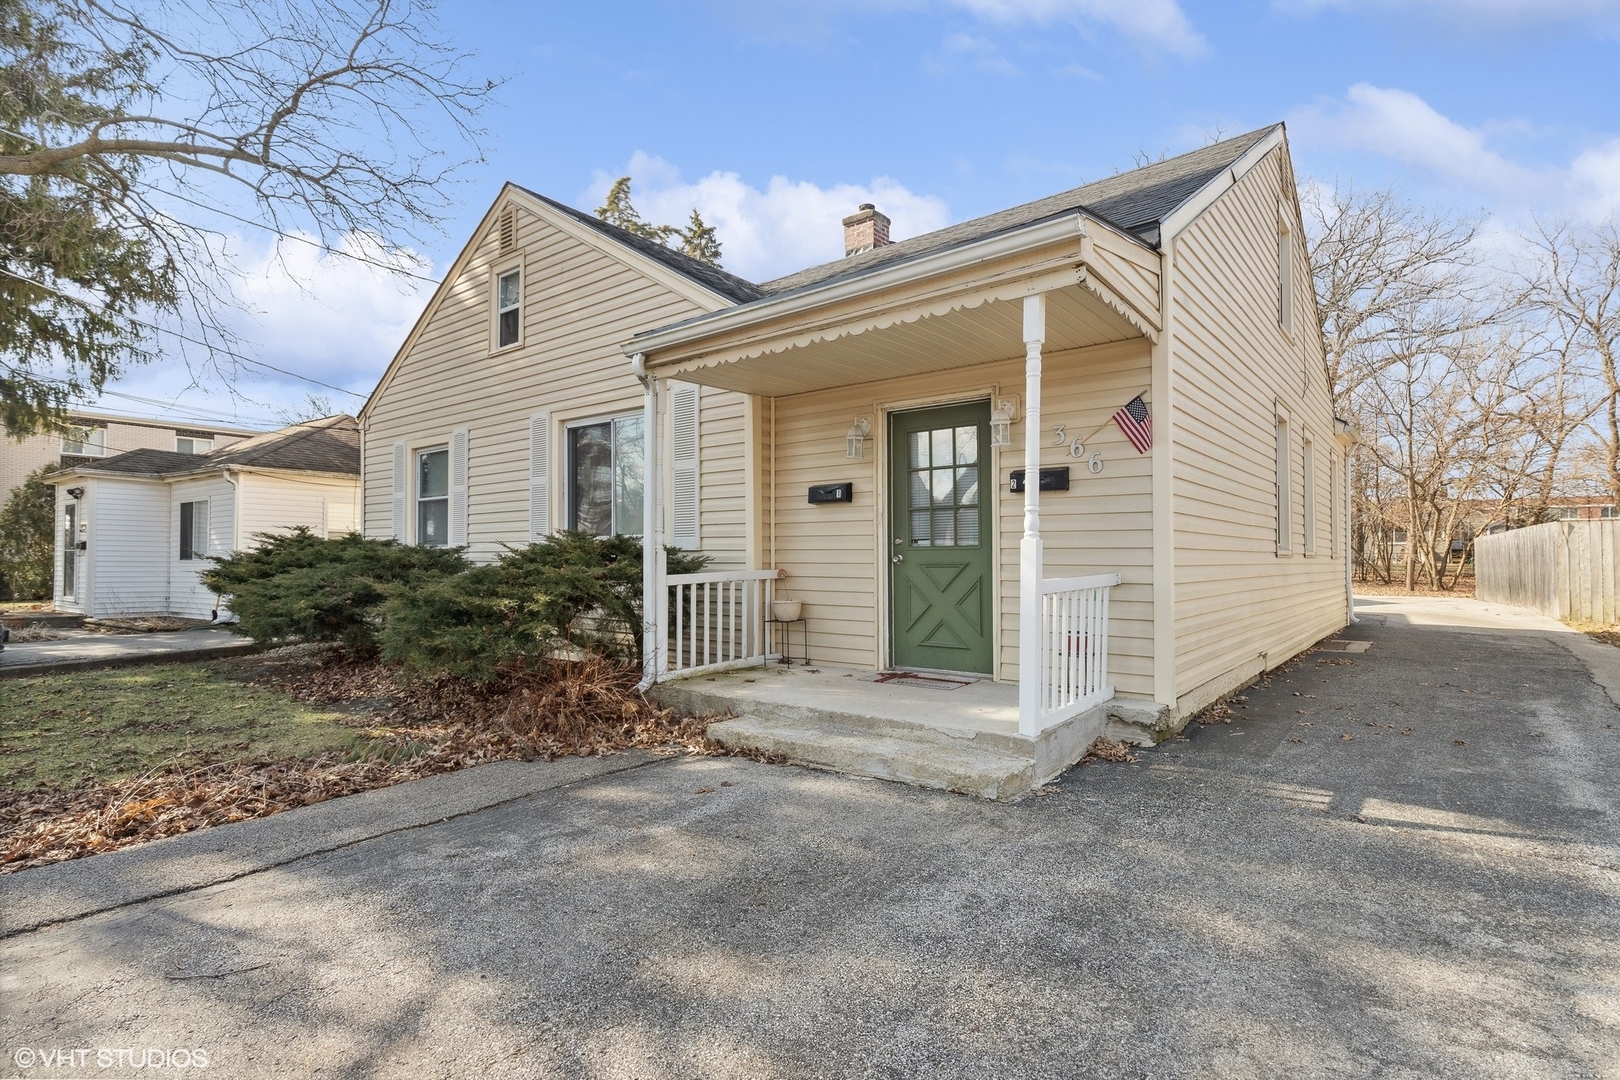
x: 127, y: 125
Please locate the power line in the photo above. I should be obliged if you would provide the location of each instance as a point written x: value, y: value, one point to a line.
x: 301, y: 239
x: 212, y: 347
x: 261, y: 225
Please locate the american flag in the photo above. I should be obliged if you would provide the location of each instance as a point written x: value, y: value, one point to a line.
x: 1134, y: 422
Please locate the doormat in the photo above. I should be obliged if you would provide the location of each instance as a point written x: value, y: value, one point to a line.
x: 912, y: 678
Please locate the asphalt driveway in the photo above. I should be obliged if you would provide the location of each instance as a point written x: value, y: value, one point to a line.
x: 1402, y: 863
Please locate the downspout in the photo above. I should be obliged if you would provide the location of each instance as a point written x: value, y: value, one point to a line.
x: 236, y: 529
x: 1349, y: 535
x: 652, y: 532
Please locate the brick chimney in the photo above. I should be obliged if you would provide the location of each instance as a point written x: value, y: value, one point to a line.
x: 864, y: 230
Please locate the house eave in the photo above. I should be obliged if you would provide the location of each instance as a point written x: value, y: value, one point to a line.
x: 690, y: 332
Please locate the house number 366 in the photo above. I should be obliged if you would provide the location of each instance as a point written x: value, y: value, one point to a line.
x: 1077, y: 449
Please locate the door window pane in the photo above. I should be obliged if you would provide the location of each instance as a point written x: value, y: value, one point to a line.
x: 943, y: 487
x: 70, y: 545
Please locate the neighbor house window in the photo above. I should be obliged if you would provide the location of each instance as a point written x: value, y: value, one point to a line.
x: 433, y: 497
x: 191, y: 444
x: 1285, y: 530
x: 509, y: 308
x: 1310, y: 498
x: 85, y: 442
x: 194, y: 530
x: 607, y: 476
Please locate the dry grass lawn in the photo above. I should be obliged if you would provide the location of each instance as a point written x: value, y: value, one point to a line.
x: 59, y: 730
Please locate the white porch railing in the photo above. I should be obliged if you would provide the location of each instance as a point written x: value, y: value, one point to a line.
x: 715, y: 621
x: 1074, y: 646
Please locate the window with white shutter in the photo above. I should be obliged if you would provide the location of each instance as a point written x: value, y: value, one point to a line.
x: 399, y: 491
x: 539, y: 476
x: 683, y: 457
x: 458, y: 488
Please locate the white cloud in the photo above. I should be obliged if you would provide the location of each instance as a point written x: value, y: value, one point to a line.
x: 1156, y: 25
x: 321, y: 315
x: 787, y: 226
x: 1602, y: 14
x: 1401, y: 126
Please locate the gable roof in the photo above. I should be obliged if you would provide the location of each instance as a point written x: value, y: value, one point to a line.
x: 1134, y: 202
x: 328, y: 445
x: 713, y: 278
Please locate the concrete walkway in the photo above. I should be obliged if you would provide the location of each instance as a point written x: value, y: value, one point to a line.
x: 87, y: 649
x: 1401, y: 863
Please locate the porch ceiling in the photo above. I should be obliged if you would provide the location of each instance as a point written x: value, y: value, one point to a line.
x: 975, y: 331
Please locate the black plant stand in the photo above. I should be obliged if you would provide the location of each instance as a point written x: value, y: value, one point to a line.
x: 787, y: 626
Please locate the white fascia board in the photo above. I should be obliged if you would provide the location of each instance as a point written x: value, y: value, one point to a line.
x: 1201, y: 200
x: 1067, y: 226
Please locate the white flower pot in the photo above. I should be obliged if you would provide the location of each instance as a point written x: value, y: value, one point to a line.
x: 786, y: 610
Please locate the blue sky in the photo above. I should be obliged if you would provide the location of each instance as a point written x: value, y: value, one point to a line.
x: 777, y: 119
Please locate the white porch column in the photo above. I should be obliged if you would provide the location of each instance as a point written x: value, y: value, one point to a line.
x: 1030, y: 555
x: 654, y: 617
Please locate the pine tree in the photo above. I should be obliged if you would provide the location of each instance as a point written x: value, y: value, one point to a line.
x: 698, y: 240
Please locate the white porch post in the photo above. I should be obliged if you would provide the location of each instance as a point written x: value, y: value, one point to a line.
x: 654, y: 616
x: 1029, y: 548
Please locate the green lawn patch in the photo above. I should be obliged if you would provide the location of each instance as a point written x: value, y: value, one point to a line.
x: 61, y: 729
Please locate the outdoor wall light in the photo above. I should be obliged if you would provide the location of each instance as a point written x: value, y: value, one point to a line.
x: 75, y: 493
x: 855, y: 439
x: 1001, y: 422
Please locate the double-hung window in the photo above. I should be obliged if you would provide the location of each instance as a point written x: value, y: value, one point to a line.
x: 433, y: 497
x: 194, y: 530
x: 508, y: 308
x: 607, y: 465
x: 85, y: 442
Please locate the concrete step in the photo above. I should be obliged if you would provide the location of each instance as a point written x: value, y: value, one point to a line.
x: 53, y: 620
x: 889, y: 752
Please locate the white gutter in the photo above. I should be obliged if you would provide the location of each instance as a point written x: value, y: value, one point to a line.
x: 1188, y: 212
x: 1068, y: 226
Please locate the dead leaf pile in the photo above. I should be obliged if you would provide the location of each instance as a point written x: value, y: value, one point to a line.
x: 1106, y: 749
x: 560, y: 709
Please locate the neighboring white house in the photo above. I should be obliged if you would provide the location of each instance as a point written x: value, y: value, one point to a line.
x: 91, y: 436
x: 135, y: 531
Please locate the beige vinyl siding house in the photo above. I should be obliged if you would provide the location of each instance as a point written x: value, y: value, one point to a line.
x: 135, y: 531
x: 1160, y: 579
x: 509, y: 415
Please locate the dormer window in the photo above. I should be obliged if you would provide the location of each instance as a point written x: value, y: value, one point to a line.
x: 509, y: 308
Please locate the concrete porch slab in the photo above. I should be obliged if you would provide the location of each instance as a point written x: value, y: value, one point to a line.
x: 963, y: 740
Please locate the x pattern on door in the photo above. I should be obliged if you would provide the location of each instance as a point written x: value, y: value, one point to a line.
x: 945, y: 605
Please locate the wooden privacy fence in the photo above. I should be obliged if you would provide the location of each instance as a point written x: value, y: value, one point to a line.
x: 1565, y: 569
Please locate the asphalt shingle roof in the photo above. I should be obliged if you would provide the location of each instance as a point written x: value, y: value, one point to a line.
x: 1135, y: 201
x: 328, y: 445
x: 713, y: 278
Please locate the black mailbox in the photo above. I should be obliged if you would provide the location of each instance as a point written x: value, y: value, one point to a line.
x: 832, y: 493
x: 1054, y: 479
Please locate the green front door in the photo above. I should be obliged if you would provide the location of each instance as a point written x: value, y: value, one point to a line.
x: 939, y: 538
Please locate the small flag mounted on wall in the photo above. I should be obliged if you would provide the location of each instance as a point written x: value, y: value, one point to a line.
x: 1134, y: 421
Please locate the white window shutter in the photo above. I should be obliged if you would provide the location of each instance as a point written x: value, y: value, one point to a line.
x: 683, y: 458
x: 539, y: 477
x: 399, y: 492
x: 458, y: 488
